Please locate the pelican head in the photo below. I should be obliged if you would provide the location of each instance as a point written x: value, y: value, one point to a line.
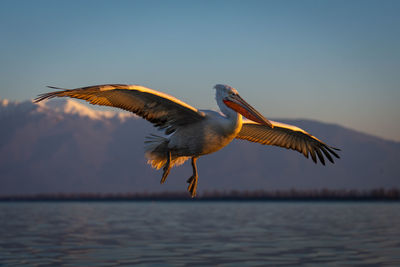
x: 231, y: 99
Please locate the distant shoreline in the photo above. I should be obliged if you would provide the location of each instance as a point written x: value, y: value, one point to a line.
x: 279, y: 195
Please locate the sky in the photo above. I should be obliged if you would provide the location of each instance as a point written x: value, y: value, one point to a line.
x: 332, y: 61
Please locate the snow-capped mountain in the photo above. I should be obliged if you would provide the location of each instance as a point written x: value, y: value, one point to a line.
x: 66, y: 146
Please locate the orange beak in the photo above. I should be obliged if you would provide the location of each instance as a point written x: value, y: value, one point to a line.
x: 239, y: 105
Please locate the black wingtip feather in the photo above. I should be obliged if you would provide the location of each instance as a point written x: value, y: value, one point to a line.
x: 312, y: 153
x: 53, y: 87
x: 328, y: 156
x: 320, y: 156
x: 333, y: 152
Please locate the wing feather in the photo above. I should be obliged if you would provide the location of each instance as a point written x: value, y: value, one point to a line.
x: 312, y: 152
x: 319, y: 154
x: 289, y: 141
x: 164, y: 111
x: 303, y: 148
x: 290, y: 137
x: 327, y: 154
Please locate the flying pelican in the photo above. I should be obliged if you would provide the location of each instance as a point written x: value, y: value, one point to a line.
x: 191, y: 133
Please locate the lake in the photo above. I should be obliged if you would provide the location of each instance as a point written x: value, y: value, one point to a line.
x: 190, y: 233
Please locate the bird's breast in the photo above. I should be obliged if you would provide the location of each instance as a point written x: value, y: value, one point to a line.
x: 205, y: 137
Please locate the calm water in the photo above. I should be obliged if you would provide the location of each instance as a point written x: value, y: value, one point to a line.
x: 193, y: 233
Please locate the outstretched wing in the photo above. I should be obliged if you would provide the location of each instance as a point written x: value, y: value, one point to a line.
x: 164, y: 111
x: 287, y: 136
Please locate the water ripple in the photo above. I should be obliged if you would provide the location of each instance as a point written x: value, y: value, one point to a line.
x: 193, y: 233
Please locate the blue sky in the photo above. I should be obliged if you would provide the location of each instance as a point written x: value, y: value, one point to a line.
x: 332, y: 61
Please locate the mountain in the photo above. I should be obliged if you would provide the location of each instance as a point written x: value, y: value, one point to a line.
x: 65, y: 146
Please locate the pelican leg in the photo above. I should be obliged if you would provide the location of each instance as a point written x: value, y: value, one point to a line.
x: 167, y: 168
x: 193, y: 179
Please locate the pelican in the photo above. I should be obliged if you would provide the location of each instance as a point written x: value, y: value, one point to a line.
x: 190, y: 133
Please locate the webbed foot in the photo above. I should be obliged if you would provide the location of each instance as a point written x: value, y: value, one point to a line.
x: 167, y: 168
x: 193, y: 179
x: 192, y: 185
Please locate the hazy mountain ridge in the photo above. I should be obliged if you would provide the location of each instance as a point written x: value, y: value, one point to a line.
x: 66, y: 146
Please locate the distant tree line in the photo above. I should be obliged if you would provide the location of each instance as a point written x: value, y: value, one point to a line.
x: 234, y: 195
